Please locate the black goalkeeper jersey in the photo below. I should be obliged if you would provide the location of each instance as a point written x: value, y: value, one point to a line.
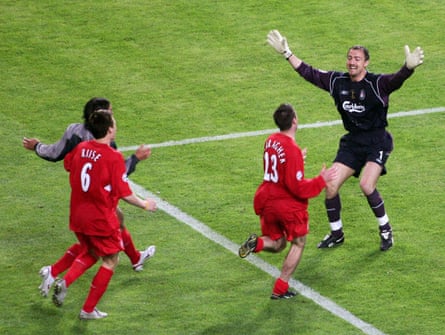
x: 363, y: 105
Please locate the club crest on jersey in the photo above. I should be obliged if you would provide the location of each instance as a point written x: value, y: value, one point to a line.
x: 299, y: 175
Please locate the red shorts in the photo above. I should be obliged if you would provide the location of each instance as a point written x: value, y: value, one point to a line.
x: 102, y: 245
x: 288, y: 223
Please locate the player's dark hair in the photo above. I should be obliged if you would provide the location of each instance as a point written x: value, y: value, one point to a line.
x: 94, y: 104
x: 362, y: 48
x: 99, y: 122
x: 284, y: 116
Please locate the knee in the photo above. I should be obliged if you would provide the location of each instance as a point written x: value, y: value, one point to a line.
x: 300, y: 241
x: 280, y: 244
x: 331, y: 190
x: 111, y: 261
x: 366, y: 187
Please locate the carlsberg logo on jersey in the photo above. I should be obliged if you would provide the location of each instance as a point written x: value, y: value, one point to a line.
x: 353, y: 107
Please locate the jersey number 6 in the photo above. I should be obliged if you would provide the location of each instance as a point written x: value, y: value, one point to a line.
x: 85, y: 179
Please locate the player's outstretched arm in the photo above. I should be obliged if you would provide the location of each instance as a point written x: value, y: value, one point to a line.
x: 147, y: 204
x: 51, y: 152
x: 279, y: 43
x: 73, y: 135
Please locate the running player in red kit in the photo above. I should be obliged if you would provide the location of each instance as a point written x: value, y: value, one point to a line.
x: 74, y: 134
x: 362, y: 99
x: 98, y: 180
x: 281, y: 200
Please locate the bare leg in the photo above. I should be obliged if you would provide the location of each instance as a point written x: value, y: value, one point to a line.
x: 291, y: 262
x: 293, y: 258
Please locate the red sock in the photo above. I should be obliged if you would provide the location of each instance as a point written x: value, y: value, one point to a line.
x: 66, y: 260
x: 98, y: 287
x: 280, y: 287
x: 259, y: 245
x: 82, y: 263
x: 129, y: 247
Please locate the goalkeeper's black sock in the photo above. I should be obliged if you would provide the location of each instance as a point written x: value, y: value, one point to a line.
x: 376, y: 203
x: 333, y: 208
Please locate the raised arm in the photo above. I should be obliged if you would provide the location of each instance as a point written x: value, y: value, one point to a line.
x: 315, y: 76
x: 390, y: 82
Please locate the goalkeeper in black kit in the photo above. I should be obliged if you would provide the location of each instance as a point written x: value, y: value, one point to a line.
x: 362, y: 99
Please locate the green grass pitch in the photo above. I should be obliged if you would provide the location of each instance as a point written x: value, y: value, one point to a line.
x: 176, y: 70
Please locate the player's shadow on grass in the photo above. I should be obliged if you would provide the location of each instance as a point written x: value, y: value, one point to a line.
x: 47, y: 318
x: 275, y: 312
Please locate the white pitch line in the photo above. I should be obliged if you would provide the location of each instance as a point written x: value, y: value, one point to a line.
x: 304, y: 290
x: 270, y: 131
x: 200, y: 227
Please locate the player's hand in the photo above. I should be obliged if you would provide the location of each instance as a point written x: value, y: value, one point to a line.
x: 413, y: 59
x: 30, y: 143
x: 150, y: 205
x: 279, y: 43
x: 328, y: 174
x: 143, y: 152
x: 304, y: 154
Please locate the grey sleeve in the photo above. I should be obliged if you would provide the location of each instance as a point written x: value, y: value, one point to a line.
x: 73, y: 135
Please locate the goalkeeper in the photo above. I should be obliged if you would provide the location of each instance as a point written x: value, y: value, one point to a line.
x: 362, y: 100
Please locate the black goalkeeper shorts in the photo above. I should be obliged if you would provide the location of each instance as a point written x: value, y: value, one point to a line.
x: 355, y: 150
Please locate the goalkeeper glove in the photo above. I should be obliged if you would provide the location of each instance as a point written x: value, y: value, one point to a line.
x: 279, y: 43
x: 414, y: 59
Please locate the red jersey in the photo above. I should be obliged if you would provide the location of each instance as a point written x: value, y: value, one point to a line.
x: 98, y: 180
x: 284, y: 175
